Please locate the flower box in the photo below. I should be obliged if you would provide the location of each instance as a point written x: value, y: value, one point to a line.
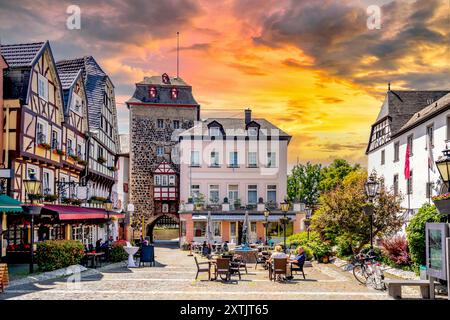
x: 45, y: 146
x: 442, y: 205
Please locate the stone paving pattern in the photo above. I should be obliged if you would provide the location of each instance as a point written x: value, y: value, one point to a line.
x: 173, y: 278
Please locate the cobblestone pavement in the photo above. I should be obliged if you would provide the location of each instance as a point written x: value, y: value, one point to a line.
x: 173, y: 278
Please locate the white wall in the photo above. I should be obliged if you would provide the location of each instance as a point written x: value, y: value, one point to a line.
x: 418, y: 161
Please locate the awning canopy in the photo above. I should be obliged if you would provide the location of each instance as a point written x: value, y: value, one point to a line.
x: 8, y: 204
x: 74, y: 212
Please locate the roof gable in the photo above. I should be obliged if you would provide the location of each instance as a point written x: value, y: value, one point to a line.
x: 22, y: 55
x: 165, y: 168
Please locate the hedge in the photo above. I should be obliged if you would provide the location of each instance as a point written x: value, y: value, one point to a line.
x: 56, y: 254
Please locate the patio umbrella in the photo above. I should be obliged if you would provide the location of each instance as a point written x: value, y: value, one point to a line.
x: 246, y: 230
x: 209, y: 229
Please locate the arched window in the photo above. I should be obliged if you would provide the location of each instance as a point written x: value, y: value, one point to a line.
x: 152, y: 92
x: 174, y: 92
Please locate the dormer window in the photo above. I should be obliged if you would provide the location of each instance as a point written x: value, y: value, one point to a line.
x: 165, y: 78
x: 252, y: 131
x: 152, y: 92
x: 174, y: 93
x: 214, y: 131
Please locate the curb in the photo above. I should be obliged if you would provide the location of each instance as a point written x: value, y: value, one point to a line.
x: 64, y: 272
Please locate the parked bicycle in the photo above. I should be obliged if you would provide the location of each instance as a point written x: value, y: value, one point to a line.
x: 367, y: 271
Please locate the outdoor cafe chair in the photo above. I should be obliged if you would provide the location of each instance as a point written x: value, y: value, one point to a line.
x: 297, y: 268
x: 224, y: 267
x: 147, y: 255
x: 278, y: 269
x: 239, y: 263
x: 260, y: 259
x: 200, y: 268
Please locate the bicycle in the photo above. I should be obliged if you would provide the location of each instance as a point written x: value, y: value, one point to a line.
x: 368, y: 272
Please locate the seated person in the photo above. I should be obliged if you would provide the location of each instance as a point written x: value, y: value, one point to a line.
x: 270, y: 242
x: 298, y: 261
x: 225, y: 246
x: 277, y: 254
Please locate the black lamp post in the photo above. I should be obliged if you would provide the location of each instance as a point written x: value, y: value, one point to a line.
x: 284, y: 208
x: 266, y: 216
x: 108, y: 205
x: 443, y: 165
x: 32, y: 188
x: 371, y: 191
x: 308, y: 210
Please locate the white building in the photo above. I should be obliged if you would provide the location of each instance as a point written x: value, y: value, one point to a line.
x: 413, y: 118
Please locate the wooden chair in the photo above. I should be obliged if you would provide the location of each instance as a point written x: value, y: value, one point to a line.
x: 200, y: 268
x: 4, y: 279
x: 260, y: 259
x: 297, y: 268
x: 279, y: 268
x: 147, y: 255
x: 225, y: 268
x: 239, y: 262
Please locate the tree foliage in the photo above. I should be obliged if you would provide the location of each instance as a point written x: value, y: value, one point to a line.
x: 335, y: 173
x: 341, y: 213
x: 415, y: 232
x: 303, y: 183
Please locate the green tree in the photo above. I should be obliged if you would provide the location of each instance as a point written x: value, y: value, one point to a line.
x: 333, y: 174
x: 303, y: 183
x: 341, y: 212
x: 415, y: 232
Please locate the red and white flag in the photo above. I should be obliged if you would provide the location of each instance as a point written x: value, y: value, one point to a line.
x: 407, y: 171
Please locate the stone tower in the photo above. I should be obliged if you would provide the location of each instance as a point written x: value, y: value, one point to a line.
x: 161, y: 107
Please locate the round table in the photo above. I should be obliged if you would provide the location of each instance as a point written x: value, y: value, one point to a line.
x: 131, y: 251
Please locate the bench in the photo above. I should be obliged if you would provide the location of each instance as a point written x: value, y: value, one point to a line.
x: 3, y: 276
x: 395, y: 287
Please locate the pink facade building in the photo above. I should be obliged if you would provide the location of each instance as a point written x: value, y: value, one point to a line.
x: 230, y: 166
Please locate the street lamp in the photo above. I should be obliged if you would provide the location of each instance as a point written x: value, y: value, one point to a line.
x: 32, y: 188
x: 284, y: 208
x: 108, y: 205
x: 371, y: 187
x: 266, y: 216
x: 308, y: 210
x: 443, y: 165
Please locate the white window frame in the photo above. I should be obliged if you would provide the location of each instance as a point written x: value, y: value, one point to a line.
x: 157, y: 180
x: 159, y: 151
x: 252, y: 131
x: 214, y: 160
x: 232, y: 157
x: 271, y: 159
x: 195, y: 191
x: 42, y: 87
x: 269, y: 188
x: 253, y: 189
x: 214, y: 188
x: 195, y: 158
x: 172, y: 180
x: 250, y: 156
x: 214, y: 131
x: 44, y: 130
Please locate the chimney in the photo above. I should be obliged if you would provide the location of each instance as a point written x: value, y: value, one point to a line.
x: 248, y: 116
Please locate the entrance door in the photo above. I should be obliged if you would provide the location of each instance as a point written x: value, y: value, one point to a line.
x: 233, y: 194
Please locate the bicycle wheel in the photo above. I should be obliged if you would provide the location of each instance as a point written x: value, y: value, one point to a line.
x: 359, y: 272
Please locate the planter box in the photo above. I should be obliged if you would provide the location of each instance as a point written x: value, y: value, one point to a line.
x: 225, y: 207
x: 443, y: 206
x: 261, y: 207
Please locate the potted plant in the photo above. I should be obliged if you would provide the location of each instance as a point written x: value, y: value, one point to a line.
x: 237, y: 203
x: 45, y: 146
x: 74, y: 158
x: 82, y: 162
x: 112, y: 168
x: 59, y: 152
x: 442, y: 203
x: 50, y: 198
x: 101, y: 160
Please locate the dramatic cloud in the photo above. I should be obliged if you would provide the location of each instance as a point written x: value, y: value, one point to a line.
x: 312, y: 67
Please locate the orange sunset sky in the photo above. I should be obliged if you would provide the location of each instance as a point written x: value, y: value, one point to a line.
x: 311, y: 67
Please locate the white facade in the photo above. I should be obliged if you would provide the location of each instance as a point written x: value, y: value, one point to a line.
x: 418, y: 160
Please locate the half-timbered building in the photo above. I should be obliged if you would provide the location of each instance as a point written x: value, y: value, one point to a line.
x: 102, y: 137
x: 34, y: 99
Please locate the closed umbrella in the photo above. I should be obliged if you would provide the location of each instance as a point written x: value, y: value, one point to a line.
x: 209, y: 229
x: 246, y: 230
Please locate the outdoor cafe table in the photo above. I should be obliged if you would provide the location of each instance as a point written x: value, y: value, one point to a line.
x: 94, y: 257
x: 131, y: 251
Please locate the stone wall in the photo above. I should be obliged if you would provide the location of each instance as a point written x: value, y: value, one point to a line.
x: 145, y: 137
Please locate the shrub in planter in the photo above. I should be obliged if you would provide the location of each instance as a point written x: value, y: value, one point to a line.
x: 415, y: 232
x: 57, y: 254
x: 396, y: 250
x: 118, y: 253
x: 82, y: 162
x: 50, y: 198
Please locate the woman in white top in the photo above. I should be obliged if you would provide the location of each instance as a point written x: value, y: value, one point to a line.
x: 277, y: 254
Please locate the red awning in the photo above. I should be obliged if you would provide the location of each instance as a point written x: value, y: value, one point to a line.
x: 75, y: 213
